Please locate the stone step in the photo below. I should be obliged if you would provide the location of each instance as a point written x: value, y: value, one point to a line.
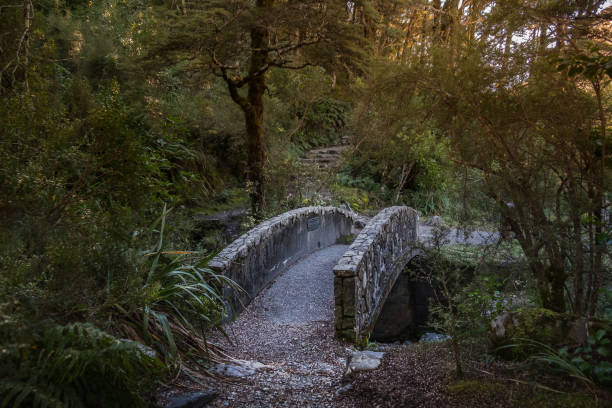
x: 324, y: 157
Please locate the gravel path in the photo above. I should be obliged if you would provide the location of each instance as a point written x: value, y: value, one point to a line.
x: 304, y: 293
x: 289, y: 328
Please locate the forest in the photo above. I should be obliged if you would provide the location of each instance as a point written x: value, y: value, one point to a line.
x: 138, y: 138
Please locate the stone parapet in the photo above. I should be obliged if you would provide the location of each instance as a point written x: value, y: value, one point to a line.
x: 365, y: 275
x: 257, y: 257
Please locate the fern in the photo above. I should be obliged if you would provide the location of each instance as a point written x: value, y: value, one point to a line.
x: 76, y: 365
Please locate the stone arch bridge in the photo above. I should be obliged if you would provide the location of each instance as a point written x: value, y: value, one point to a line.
x: 362, y: 278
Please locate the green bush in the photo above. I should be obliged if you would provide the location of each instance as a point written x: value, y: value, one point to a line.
x: 593, y: 359
x: 76, y: 365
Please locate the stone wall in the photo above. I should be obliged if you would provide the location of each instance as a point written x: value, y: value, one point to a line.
x: 256, y: 258
x: 366, y: 273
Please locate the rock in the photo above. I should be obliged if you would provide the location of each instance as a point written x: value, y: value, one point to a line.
x: 540, y: 325
x: 191, y: 400
x: 433, y: 338
x: 435, y: 221
x: 362, y: 361
x: 239, y: 368
x: 361, y: 222
x: 344, y: 389
x: 346, y: 206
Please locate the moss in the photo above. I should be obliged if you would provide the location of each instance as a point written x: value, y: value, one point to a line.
x: 475, y: 387
x: 358, y: 199
x: 345, y: 239
x: 552, y: 400
x: 537, y: 324
x: 524, y: 395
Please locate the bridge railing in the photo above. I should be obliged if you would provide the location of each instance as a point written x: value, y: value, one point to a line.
x: 366, y: 273
x: 257, y: 257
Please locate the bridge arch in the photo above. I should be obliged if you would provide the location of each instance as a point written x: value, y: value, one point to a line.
x: 365, y: 275
x: 257, y: 257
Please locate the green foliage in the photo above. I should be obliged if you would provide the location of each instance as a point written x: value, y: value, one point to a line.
x: 593, y: 359
x: 345, y: 239
x: 606, y: 304
x: 78, y: 188
x: 400, y: 146
x: 177, y: 304
x: 322, y: 122
x: 76, y: 365
x: 359, y: 200
x: 539, y: 325
x: 589, y: 363
x: 592, y: 64
x: 362, y: 182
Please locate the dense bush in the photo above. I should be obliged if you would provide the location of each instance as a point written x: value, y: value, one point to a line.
x: 76, y: 365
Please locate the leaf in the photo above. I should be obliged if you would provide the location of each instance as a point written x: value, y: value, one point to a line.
x: 575, y: 70
x: 159, y: 245
x: 603, y: 372
x: 577, y: 360
x: 163, y: 321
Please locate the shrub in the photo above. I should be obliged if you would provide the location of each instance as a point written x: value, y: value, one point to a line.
x: 76, y: 365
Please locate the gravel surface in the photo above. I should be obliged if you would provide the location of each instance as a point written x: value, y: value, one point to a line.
x: 289, y: 327
x: 304, y: 293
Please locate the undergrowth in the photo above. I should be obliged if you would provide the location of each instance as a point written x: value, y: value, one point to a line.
x: 76, y: 365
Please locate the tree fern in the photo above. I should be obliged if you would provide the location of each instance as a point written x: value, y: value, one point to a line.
x: 76, y: 365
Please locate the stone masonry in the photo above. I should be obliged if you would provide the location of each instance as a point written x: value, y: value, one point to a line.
x: 365, y: 275
x: 257, y: 257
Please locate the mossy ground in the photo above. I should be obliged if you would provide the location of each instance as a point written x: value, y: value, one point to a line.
x: 422, y: 375
x: 518, y: 394
x: 475, y: 387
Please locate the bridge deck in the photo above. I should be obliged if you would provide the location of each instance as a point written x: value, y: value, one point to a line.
x: 305, y: 292
x: 290, y: 327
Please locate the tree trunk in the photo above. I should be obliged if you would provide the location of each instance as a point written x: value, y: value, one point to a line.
x: 600, y: 188
x: 557, y: 278
x: 254, y: 113
x: 255, y: 156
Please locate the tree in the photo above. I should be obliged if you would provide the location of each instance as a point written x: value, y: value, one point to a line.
x: 537, y: 137
x: 241, y: 41
x: 15, y: 43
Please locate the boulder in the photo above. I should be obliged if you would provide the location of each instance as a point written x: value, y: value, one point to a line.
x: 525, y: 326
x: 191, y: 400
x: 365, y: 360
x: 435, y: 221
x: 239, y: 368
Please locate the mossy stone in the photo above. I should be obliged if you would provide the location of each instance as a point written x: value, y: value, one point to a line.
x: 534, y: 324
